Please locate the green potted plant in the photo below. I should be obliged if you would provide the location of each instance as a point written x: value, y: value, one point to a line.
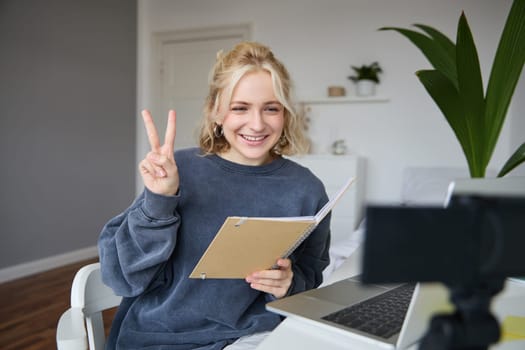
x: 455, y: 84
x: 366, y: 77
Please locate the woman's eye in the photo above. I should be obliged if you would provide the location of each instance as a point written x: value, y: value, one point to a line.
x: 273, y: 109
x: 238, y: 109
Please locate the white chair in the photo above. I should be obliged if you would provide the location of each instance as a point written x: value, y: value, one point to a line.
x: 89, y: 297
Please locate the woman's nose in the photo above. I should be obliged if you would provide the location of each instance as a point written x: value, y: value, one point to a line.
x: 256, y: 121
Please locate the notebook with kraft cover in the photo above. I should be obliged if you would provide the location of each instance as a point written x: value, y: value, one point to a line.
x: 247, y: 244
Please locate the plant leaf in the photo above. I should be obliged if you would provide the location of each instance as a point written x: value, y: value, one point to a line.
x: 471, y: 92
x: 516, y: 159
x: 436, y: 51
x: 449, y: 102
x: 505, y: 73
x: 445, y: 43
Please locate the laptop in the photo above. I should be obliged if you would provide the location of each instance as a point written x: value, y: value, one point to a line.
x: 321, y: 306
x: 318, y: 306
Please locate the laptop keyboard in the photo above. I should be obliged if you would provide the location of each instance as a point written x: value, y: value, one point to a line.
x: 381, y: 315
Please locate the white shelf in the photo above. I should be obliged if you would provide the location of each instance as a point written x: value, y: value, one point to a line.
x: 344, y: 99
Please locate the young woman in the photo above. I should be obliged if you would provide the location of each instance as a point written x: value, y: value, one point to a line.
x: 148, y: 251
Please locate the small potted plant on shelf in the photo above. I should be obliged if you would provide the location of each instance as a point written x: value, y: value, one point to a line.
x: 366, y: 78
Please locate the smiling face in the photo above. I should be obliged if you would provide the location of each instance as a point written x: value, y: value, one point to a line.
x: 253, y: 121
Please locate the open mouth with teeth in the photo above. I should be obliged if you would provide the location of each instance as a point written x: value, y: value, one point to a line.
x: 253, y: 138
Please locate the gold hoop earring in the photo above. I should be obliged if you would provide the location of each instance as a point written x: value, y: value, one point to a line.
x: 218, y: 132
x: 278, y: 148
x: 283, y: 141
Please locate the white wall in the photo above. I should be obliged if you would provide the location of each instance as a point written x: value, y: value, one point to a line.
x: 319, y: 40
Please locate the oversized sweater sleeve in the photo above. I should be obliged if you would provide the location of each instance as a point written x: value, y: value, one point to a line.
x: 134, y: 246
x: 310, y: 259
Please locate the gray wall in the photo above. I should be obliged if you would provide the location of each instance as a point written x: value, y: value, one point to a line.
x: 67, y: 122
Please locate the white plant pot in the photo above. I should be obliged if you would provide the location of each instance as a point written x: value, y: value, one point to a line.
x: 365, y: 88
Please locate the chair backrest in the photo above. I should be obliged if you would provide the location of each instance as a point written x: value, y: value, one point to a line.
x: 89, y: 294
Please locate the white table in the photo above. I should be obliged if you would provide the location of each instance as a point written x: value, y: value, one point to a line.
x: 294, y: 333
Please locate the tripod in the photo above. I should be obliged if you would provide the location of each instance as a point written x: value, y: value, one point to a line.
x: 472, y: 326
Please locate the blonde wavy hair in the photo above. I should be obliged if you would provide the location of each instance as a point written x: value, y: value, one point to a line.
x: 228, y: 69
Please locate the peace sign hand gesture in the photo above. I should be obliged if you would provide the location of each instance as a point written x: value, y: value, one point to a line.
x: 158, y: 169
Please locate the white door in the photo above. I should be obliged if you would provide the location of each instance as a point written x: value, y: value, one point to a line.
x: 185, y: 64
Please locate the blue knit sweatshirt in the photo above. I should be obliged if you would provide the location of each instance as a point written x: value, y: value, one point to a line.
x: 148, y: 252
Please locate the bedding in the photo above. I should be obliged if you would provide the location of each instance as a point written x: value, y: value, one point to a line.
x: 340, y: 251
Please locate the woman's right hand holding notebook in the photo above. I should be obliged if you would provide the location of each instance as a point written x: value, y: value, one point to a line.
x: 158, y: 169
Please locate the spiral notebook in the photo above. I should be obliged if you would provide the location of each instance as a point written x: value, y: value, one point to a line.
x: 247, y: 244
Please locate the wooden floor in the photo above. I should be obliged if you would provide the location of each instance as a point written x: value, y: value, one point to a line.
x: 31, y: 306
